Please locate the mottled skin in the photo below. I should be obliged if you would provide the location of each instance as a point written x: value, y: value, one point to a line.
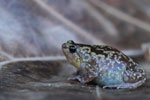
x: 104, y: 65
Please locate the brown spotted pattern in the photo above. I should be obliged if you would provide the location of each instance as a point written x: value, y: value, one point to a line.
x: 106, y: 66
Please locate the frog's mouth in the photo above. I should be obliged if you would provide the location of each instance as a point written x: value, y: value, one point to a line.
x: 74, y: 61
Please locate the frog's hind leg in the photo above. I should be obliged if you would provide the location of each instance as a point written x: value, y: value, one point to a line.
x: 126, y: 85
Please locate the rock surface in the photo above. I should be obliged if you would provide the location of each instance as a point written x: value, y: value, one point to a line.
x: 44, y: 80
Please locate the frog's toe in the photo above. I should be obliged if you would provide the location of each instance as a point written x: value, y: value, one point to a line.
x: 122, y: 86
x: 73, y: 78
x: 110, y: 87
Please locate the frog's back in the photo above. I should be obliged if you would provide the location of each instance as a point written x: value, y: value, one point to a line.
x: 114, y: 67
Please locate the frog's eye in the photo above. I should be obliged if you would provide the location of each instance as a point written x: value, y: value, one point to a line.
x: 72, y: 48
x: 70, y: 42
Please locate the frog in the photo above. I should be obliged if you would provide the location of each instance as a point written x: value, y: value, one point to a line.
x: 104, y: 65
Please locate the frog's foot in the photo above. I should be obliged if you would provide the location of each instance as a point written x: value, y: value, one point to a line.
x: 73, y: 78
x: 85, y: 79
x: 81, y: 79
x: 125, y: 85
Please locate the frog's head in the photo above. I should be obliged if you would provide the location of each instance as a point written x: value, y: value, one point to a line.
x: 77, y: 54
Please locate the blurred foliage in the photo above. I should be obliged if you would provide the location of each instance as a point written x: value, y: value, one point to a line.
x: 32, y: 28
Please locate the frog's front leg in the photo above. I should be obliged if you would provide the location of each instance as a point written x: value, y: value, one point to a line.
x: 126, y: 85
x: 74, y: 77
x: 83, y: 77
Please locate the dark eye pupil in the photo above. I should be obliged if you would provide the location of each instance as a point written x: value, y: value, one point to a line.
x: 72, y: 49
